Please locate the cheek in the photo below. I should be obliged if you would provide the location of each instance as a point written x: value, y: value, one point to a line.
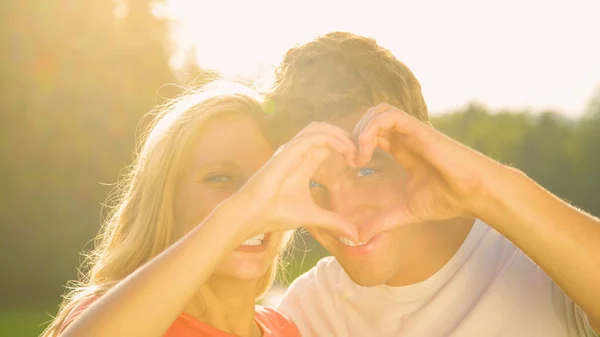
x: 385, y: 192
x: 192, y: 206
x: 319, y: 197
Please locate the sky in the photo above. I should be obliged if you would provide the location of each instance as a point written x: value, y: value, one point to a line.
x: 527, y: 54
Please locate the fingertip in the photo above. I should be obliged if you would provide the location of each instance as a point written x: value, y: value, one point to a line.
x: 347, y: 229
x: 363, y: 135
x: 350, y: 158
x: 365, y: 233
x: 359, y: 161
x: 365, y: 154
x: 352, y: 144
x: 353, y: 236
x: 339, y: 146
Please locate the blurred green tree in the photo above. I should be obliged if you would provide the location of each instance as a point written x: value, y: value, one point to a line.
x: 77, y: 76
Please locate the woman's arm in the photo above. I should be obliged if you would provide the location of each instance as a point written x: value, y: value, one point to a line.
x: 158, y: 287
x: 276, y: 198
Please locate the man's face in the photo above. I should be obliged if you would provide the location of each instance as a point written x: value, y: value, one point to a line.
x: 357, y: 194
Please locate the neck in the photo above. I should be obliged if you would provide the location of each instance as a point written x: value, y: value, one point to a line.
x: 227, y: 305
x: 436, y: 245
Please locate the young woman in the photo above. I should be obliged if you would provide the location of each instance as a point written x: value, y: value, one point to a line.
x: 201, y: 221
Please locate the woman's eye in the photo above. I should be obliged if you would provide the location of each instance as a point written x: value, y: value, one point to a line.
x: 365, y: 172
x: 313, y: 184
x: 218, y: 178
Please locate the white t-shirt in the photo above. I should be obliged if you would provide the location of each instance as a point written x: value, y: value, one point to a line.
x: 488, y: 288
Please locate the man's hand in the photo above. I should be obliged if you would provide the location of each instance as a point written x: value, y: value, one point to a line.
x: 445, y: 178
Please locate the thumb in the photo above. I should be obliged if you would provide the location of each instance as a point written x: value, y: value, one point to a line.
x: 384, y: 221
x: 312, y: 161
x: 333, y: 222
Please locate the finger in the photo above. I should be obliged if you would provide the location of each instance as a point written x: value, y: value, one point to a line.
x: 334, y: 223
x: 368, y: 116
x: 406, y: 158
x: 387, y: 123
x: 308, y: 150
x: 383, y: 142
x: 340, y: 145
x: 322, y: 127
x: 324, y: 140
x: 343, y: 145
x: 312, y: 160
x: 305, y: 154
x: 319, y: 127
x: 362, y: 122
x: 369, y: 141
x: 384, y: 221
x: 366, y: 145
x: 293, y: 214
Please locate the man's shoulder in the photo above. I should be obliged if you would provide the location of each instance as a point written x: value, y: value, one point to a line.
x: 327, y: 271
x: 321, y: 281
x: 310, y: 301
x: 326, y: 268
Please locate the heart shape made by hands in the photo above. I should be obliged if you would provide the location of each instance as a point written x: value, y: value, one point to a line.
x: 444, y: 178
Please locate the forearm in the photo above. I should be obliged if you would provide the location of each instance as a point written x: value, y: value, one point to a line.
x: 148, y: 301
x: 562, y: 240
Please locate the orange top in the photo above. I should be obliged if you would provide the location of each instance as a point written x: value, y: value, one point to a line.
x: 271, y: 322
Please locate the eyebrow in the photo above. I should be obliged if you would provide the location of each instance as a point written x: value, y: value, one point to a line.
x: 222, y: 163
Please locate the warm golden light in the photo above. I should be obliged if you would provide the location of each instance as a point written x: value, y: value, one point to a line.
x: 512, y: 54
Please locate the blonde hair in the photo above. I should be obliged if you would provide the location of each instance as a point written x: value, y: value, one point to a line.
x: 335, y: 74
x: 141, y: 225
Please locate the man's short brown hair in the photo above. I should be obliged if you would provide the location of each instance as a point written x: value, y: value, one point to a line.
x: 336, y: 74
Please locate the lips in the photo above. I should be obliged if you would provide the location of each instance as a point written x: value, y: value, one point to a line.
x: 349, y: 242
x: 346, y: 247
x: 254, y: 241
x: 255, y: 244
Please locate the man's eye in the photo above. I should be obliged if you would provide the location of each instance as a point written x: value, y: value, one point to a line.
x: 365, y: 172
x: 314, y: 184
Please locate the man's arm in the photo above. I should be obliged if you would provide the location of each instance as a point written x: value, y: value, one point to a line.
x: 447, y: 179
x: 562, y: 240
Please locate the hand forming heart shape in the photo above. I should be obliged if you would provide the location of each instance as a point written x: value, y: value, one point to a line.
x: 445, y: 178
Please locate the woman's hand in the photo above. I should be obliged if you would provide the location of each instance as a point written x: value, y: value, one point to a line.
x: 279, y: 193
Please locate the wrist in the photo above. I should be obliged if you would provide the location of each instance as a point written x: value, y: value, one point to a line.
x: 499, y: 186
x: 243, y: 215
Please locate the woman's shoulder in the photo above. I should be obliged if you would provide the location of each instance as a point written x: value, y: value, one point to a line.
x: 78, y: 307
x: 274, y: 323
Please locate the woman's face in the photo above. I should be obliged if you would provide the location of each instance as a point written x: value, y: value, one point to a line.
x: 229, y: 149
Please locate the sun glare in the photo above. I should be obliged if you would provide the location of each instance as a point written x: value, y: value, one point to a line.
x: 514, y: 54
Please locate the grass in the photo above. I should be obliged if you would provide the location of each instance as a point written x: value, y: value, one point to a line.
x: 23, y: 322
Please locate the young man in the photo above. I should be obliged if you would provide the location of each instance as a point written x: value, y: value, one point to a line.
x: 447, y: 235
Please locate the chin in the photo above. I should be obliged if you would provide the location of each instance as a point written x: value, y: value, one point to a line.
x: 243, y: 267
x: 365, y: 276
x: 251, y: 263
x: 246, y: 275
x: 371, y: 265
